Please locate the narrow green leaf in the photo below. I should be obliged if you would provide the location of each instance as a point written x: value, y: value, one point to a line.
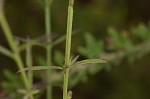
x: 41, y: 68
x: 36, y: 91
x: 22, y: 91
x: 90, y: 61
x: 74, y: 60
x: 5, y: 52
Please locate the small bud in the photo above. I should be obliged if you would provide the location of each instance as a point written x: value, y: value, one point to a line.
x: 70, y: 95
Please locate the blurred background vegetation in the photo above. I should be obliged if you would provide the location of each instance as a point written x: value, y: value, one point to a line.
x: 117, y: 30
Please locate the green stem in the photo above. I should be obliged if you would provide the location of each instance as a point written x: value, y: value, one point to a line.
x: 68, y: 49
x: 48, y: 48
x: 6, y: 52
x: 24, y: 76
x: 65, y: 85
x: 29, y: 61
x: 7, y: 32
x: 14, y: 47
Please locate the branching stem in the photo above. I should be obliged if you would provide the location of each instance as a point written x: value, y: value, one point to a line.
x: 13, y: 45
x: 68, y: 48
x: 49, y: 47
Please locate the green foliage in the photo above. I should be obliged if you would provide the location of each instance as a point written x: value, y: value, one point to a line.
x: 122, y: 47
x: 92, y: 46
x: 142, y: 31
x: 118, y: 39
x: 11, y: 84
x: 118, y: 46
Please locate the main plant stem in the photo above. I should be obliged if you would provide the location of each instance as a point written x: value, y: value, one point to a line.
x: 48, y: 48
x: 13, y: 46
x: 68, y: 49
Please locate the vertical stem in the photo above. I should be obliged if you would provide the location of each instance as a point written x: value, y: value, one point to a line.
x: 68, y: 48
x: 48, y: 48
x: 24, y: 76
x: 29, y: 62
x: 65, y: 85
x: 13, y: 46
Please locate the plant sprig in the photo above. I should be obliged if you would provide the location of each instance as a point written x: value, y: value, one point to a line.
x: 13, y: 45
x: 69, y: 62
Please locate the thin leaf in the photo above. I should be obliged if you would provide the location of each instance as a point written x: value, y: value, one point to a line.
x: 35, y: 91
x: 41, y: 68
x: 90, y: 61
x: 5, y: 52
x: 22, y: 91
x: 74, y: 60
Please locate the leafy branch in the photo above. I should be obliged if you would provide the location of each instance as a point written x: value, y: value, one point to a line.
x: 69, y: 62
x: 13, y: 45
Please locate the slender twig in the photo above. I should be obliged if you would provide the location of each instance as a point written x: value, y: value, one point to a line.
x: 48, y: 48
x: 68, y: 49
x: 13, y: 46
x: 6, y: 52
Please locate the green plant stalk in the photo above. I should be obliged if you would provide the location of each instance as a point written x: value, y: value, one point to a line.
x: 13, y: 46
x: 68, y: 49
x: 48, y: 47
x: 6, y: 52
x: 29, y: 62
